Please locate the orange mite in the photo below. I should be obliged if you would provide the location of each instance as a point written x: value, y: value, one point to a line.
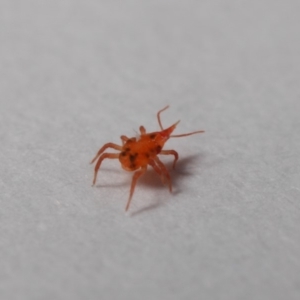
x: 137, y: 153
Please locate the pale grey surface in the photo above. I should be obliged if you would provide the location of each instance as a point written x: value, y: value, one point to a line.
x: 77, y: 74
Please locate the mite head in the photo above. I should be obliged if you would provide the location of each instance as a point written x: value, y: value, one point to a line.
x: 166, y: 133
x: 162, y: 136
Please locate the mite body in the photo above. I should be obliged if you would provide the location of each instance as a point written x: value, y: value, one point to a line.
x: 137, y: 153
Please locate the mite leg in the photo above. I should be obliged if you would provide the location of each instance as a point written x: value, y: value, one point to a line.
x: 155, y: 167
x: 165, y: 172
x: 172, y: 152
x: 105, y: 146
x: 187, y: 134
x: 142, y: 130
x: 124, y: 139
x: 135, y: 177
x: 103, y: 156
x: 158, y: 116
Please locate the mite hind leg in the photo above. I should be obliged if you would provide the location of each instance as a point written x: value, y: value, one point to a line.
x: 135, y: 178
x: 124, y: 139
x: 101, y: 158
x: 171, y: 152
x: 104, y: 147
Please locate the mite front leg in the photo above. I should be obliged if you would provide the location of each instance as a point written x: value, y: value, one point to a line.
x: 98, y: 164
x: 155, y: 167
x: 135, y: 178
x: 165, y: 172
x: 108, y: 145
x: 170, y: 152
x: 158, y: 117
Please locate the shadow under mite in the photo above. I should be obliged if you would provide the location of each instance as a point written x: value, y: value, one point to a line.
x: 184, y: 167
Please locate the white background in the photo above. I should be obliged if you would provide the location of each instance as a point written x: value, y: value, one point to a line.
x: 77, y: 74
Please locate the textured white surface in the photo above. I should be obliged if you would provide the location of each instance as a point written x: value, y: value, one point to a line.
x: 77, y: 74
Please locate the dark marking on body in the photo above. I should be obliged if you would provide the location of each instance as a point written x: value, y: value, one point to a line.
x: 152, y: 151
x: 132, y: 157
